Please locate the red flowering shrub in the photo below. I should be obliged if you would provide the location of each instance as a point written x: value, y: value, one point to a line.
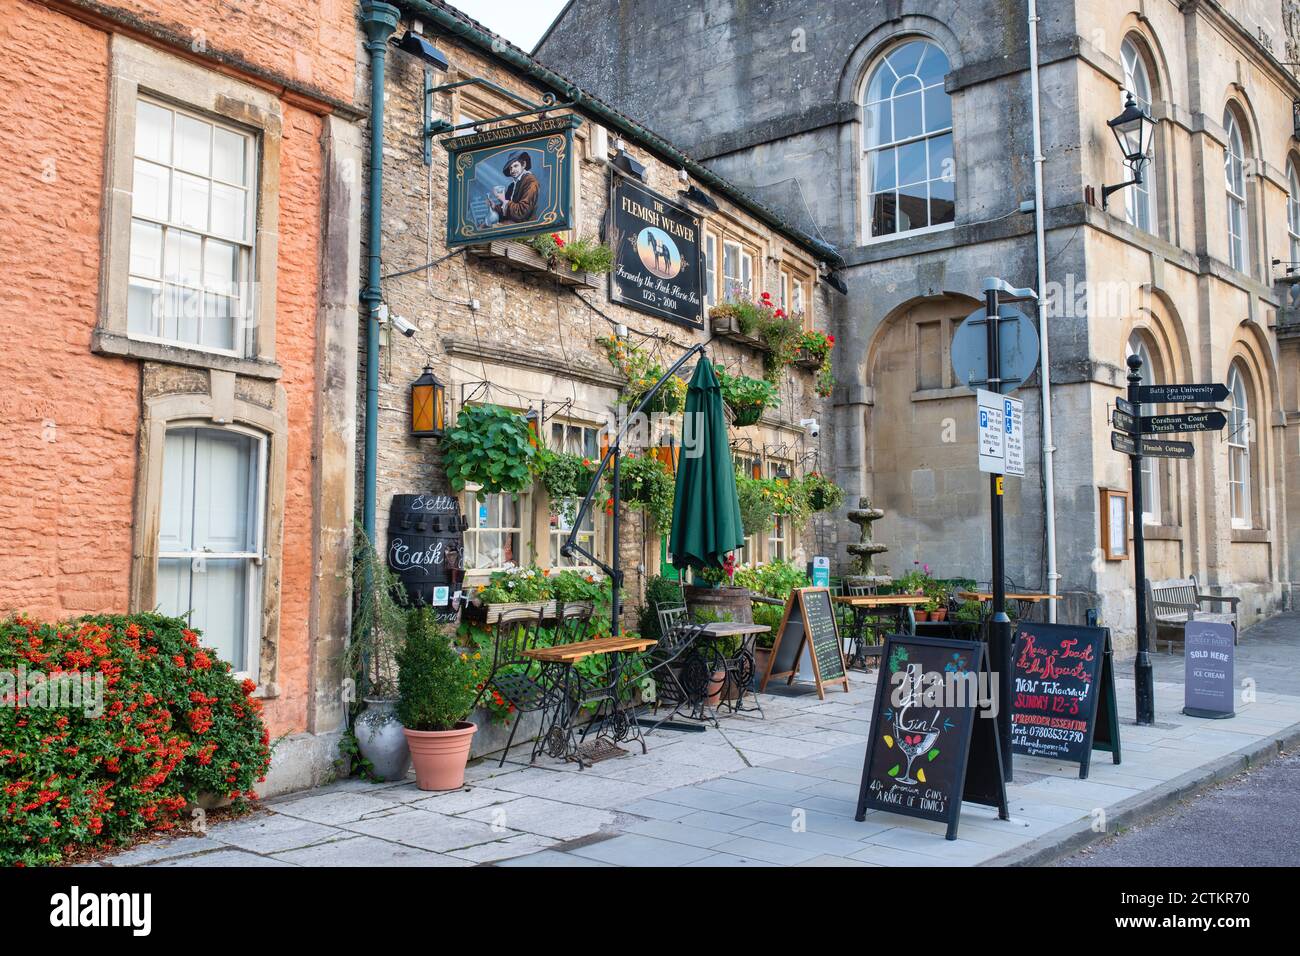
x: 158, y: 721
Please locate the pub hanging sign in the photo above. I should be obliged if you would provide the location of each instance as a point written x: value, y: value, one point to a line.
x: 656, y: 255
x: 510, y: 182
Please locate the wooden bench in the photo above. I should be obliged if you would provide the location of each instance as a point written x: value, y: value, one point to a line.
x: 1172, y: 603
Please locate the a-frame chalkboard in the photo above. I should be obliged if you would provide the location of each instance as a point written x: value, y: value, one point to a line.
x: 1063, y: 693
x: 809, y: 619
x: 930, y: 747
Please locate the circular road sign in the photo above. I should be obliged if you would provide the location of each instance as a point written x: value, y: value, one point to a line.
x: 1017, y: 347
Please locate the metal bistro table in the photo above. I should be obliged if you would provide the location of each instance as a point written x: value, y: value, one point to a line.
x: 1025, y: 603
x: 559, y: 736
x: 684, y: 676
x: 862, y: 604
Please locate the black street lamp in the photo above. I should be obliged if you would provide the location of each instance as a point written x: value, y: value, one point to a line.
x: 1133, y: 129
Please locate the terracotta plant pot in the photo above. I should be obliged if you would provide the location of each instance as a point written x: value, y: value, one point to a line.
x: 761, y: 656
x: 939, y: 615
x: 921, y: 615
x: 717, y: 683
x: 440, y: 756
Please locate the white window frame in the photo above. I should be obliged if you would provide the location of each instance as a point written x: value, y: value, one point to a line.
x: 710, y: 269
x: 743, y: 281
x: 750, y: 551
x: 469, y: 500
x: 254, y: 558
x: 778, y: 535
x: 1293, y: 215
x: 1140, y: 199
x: 244, y: 288
x: 138, y: 70
x: 1240, y: 425
x: 871, y: 149
x: 556, y: 532
x: 1234, y: 174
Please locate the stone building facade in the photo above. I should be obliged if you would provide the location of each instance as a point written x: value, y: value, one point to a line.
x: 180, y: 211
x: 902, y: 132
x: 500, y: 328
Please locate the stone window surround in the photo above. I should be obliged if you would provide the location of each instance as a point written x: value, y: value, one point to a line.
x: 216, y: 408
x: 136, y: 69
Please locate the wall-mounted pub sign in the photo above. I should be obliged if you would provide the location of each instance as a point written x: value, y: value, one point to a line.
x: 657, y: 266
x: 510, y: 182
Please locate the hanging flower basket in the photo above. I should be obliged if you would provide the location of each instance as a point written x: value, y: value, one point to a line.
x: 744, y: 415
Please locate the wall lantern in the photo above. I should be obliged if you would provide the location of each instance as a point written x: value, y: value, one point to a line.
x: 428, y: 406
x: 1295, y: 118
x: 422, y: 49
x: 1133, y: 129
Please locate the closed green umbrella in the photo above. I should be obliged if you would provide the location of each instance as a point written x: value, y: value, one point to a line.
x: 706, y: 511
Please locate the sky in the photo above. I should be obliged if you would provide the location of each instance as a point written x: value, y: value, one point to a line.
x: 522, y: 22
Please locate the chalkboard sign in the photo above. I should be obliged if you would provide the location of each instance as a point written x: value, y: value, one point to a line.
x: 1063, y: 693
x: 1208, y: 663
x: 809, y: 619
x: 929, y: 749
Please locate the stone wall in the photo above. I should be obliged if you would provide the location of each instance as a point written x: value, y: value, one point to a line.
x: 532, y: 341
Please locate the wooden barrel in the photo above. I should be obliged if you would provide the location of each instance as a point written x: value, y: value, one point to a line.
x: 425, y: 544
x: 725, y: 604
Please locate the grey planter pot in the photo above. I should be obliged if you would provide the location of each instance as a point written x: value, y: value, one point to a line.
x: 381, y: 740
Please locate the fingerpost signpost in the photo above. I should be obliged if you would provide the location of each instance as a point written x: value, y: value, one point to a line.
x: 1131, y: 440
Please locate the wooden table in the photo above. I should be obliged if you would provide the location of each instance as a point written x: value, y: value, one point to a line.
x: 1025, y: 601
x: 558, y: 738
x: 902, y: 606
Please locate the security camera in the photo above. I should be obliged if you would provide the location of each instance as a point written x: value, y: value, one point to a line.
x: 402, y: 325
x: 810, y: 426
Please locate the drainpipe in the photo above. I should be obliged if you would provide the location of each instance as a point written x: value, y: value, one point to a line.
x: 379, y: 20
x: 1044, y: 358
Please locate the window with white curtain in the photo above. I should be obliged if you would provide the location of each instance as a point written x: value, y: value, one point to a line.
x: 210, y: 537
x: 1139, y: 200
x: 496, y: 530
x: 1234, y: 174
x: 1150, y: 466
x: 1293, y: 214
x: 192, y: 215
x: 1240, y: 428
x: 908, y: 177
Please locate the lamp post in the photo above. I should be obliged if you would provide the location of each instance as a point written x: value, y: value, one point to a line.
x: 1133, y: 129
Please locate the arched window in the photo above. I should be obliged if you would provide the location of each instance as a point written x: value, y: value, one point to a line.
x: 1150, y: 466
x: 1234, y: 174
x: 1241, y: 425
x: 908, y: 172
x: 1139, y: 200
x: 1293, y: 215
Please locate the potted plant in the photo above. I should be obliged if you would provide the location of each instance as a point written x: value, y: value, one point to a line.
x: 379, y: 620
x: 814, y: 350
x: 747, y: 397
x: 510, y: 589
x: 639, y: 367
x: 780, y: 334
x: 565, y: 478
x: 436, y: 691
x: 491, y: 447
x: 646, y: 482
x: 970, y: 615
x: 587, y: 254
x: 823, y: 494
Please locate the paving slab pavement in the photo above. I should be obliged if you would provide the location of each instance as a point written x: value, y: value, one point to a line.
x: 779, y: 791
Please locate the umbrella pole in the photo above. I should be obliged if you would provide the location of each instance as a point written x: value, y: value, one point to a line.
x: 616, y: 577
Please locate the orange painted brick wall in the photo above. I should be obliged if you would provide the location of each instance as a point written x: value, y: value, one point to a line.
x: 69, y: 418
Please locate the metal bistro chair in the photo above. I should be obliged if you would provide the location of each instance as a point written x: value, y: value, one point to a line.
x: 866, y: 620
x: 520, y: 680
x: 681, y: 677
x: 574, y: 623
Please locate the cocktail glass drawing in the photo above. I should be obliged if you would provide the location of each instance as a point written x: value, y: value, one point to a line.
x: 913, y: 743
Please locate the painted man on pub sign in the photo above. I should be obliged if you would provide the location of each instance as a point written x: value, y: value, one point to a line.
x: 510, y: 182
x: 516, y: 202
